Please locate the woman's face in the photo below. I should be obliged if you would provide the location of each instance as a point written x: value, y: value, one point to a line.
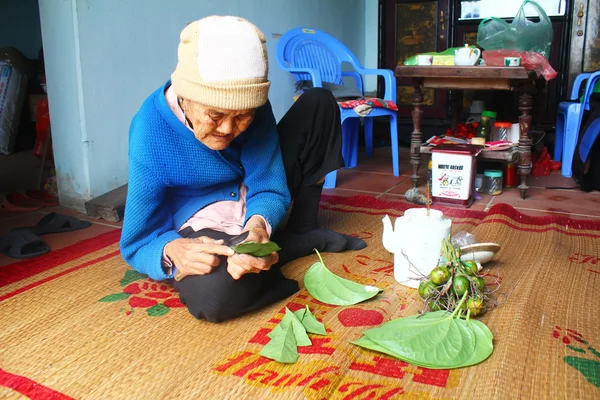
x: 214, y: 127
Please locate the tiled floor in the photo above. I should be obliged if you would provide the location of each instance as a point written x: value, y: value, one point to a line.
x: 373, y: 176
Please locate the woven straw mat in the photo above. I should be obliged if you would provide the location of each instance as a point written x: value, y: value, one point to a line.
x: 79, y: 323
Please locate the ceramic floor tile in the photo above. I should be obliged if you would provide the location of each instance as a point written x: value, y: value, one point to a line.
x: 81, y: 215
x: 381, y: 161
x: 366, y: 181
x: 56, y: 240
x: 554, y: 180
x: 402, y: 187
x: 560, y: 201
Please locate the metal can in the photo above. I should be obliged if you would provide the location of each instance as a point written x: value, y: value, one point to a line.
x: 511, y: 178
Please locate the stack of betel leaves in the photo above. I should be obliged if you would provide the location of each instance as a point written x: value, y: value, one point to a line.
x: 291, y: 333
x: 446, y: 284
x: 435, y: 340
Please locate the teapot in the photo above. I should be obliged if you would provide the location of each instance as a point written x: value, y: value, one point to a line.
x: 466, y: 56
x: 417, y: 237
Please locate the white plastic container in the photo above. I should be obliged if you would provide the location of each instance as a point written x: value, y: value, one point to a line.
x: 419, y: 238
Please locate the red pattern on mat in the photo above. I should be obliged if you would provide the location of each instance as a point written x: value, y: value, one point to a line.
x: 24, y: 269
x: 53, y: 277
x: 382, y: 207
x: 29, y: 388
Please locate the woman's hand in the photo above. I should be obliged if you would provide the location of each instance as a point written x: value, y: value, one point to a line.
x: 241, y: 264
x: 196, y: 256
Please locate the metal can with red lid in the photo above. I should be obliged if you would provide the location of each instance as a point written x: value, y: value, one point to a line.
x: 511, y: 178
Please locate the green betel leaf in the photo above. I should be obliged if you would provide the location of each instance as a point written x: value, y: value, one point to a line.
x: 256, y: 249
x: 312, y: 324
x: 483, y: 342
x: 115, y: 297
x: 300, y: 313
x: 290, y: 318
x: 438, y: 341
x: 329, y: 288
x: 282, y: 347
x: 131, y: 276
x: 371, y: 345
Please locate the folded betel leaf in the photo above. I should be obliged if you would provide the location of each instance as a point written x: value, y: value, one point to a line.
x: 311, y: 323
x: 282, y: 347
x: 300, y: 313
x: 302, y: 338
x: 329, y: 288
x: 256, y: 249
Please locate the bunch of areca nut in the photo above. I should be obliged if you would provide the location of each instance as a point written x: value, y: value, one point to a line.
x: 447, y: 283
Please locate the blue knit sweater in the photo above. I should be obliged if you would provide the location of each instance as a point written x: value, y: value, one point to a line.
x: 172, y: 175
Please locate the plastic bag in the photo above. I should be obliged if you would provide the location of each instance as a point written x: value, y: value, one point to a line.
x: 42, y: 126
x: 540, y: 163
x: 522, y: 34
x: 462, y: 239
x: 529, y: 60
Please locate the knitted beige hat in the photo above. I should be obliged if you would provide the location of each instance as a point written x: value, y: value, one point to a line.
x: 222, y: 63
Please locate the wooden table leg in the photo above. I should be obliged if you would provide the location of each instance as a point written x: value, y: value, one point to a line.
x: 416, y: 137
x: 525, y: 103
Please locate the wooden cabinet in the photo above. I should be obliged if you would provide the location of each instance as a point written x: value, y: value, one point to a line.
x: 412, y: 27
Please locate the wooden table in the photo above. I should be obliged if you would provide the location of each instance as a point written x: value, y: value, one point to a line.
x: 472, y: 78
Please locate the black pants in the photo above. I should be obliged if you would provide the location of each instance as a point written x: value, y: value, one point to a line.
x: 310, y: 140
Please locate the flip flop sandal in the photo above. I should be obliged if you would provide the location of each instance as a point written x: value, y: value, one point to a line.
x: 15, y: 201
x: 23, y: 243
x: 57, y: 223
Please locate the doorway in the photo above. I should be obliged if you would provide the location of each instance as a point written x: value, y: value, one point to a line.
x: 27, y: 178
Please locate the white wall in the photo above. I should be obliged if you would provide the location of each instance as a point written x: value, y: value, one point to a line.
x: 371, y: 17
x: 103, y: 58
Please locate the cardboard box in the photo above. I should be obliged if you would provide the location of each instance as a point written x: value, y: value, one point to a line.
x: 443, y: 60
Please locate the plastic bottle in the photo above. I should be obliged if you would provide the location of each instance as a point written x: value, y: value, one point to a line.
x: 484, y: 130
x: 494, y: 181
x: 502, y: 131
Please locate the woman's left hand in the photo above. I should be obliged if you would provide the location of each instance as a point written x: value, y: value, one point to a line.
x: 241, y: 264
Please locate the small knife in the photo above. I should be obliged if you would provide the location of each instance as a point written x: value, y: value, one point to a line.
x: 234, y: 241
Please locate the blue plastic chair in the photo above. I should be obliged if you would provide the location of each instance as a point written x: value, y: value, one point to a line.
x: 568, y: 121
x: 310, y: 54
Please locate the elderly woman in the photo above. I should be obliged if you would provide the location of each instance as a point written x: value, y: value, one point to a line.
x: 207, y: 162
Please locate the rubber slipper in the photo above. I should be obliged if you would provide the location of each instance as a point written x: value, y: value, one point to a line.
x: 23, y: 243
x: 43, y: 196
x: 57, y: 223
x: 15, y: 201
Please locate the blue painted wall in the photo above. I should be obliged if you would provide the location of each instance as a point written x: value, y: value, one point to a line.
x: 103, y: 58
x: 20, y: 26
